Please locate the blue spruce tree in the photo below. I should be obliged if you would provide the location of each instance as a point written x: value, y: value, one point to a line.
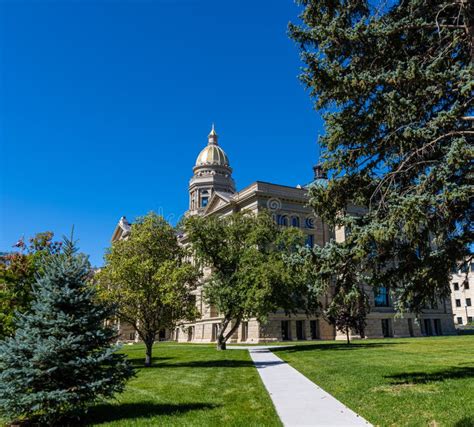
x: 61, y: 358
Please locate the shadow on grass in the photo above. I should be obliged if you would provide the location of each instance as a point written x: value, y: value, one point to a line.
x: 139, y: 362
x: 203, y: 364
x: 336, y: 346
x: 426, y: 377
x: 465, y: 422
x: 104, y: 413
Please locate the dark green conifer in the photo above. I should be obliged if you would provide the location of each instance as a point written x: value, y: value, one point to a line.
x: 61, y: 358
x: 395, y: 82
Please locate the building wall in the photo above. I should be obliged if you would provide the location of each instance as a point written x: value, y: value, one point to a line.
x: 462, y: 296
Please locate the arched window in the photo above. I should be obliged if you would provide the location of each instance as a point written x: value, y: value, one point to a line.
x: 282, y: 220
x: 295, y: 221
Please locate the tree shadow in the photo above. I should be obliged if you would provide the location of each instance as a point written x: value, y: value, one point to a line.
x: 106, y: 412
x: 205, y: 364
x: 336, y: 346
x: 426, y: 377
x: 139, y: 362
x: 465, y: 422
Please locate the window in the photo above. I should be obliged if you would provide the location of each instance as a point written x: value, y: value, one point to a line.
x: 469, y: 319
x: 309, y: 223
x: 456, y: 286
x: 472, y: 267
x: 437, y: 327
x: 386, y: 328
x: 428, y: 328
x: 459, y: 319
x: 245, y: 331
x: 204, y: 201
x: 381, y: 297
x: 410, y: 327
x: 466, y: 285
x: 314, y: 327
x: 300, y: 335
x: 465, y: 268
x: 285, y: 330
x: 295, y: 221
x: 458, y: 303
x: 310, y: 240
x: 132, y: 336
x: 282, y: 220
x: 468, y: 302
x: 215, y: 331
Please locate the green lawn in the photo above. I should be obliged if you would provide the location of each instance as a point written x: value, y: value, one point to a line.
x: 191, y: 385
x: 395, y: 382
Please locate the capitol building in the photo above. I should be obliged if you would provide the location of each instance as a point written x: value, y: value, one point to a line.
x: 212, y: 191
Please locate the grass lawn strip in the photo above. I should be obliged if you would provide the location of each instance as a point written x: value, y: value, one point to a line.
x: 395, y: 382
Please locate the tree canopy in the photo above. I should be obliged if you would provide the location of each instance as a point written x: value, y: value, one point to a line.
x: 18, y: 270
x: 395, y: 81
x: 148, y: 277
x: 61, y: 358
x: 250, y: 273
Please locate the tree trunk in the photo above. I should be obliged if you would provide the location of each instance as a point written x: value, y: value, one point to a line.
x: 222, y: 339
x: 348, y: 336
x: 221, y: 342
x: 149, y: 351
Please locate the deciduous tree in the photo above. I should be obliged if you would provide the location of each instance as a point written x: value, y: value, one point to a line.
x: 17, y: 276
x: 250, y: 273
x: 150, y: 280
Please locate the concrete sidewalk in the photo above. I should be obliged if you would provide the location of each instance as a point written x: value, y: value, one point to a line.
x: 298, y: 401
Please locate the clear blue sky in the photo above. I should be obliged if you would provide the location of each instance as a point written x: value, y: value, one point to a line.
x: 104, y: 106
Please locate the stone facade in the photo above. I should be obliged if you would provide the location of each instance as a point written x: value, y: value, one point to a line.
x: 462, y: 295
x: 212, y: 192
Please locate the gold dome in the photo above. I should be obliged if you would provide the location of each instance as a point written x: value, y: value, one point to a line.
x: 212, y: 153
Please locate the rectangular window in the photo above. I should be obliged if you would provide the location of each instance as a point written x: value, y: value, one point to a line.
x: 458, y: 303
x: 204, y: 201
x: 410, y: 327
x: 468, y: 302
x: 459, y: 319
x: 469, y: 319
x: 245, y: 331
x: 285, y: 330
x: 456, y: 286
x: 314, y: 326
x: 310, y: 240
x: 428, y: 328
x: 381, y: 297
x: 215, y: 331
x: 300, y: 335
x: 466, y: 285
x: 386, y: 328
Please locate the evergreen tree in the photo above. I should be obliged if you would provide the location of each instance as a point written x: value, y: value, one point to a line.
x: 60, y: 359
x: 395, y: 81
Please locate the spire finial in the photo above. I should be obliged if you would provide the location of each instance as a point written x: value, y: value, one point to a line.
x: 212, y: 138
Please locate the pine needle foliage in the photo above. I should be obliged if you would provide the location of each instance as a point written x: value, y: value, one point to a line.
x: 61, y: 358
x: 395, y: 83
